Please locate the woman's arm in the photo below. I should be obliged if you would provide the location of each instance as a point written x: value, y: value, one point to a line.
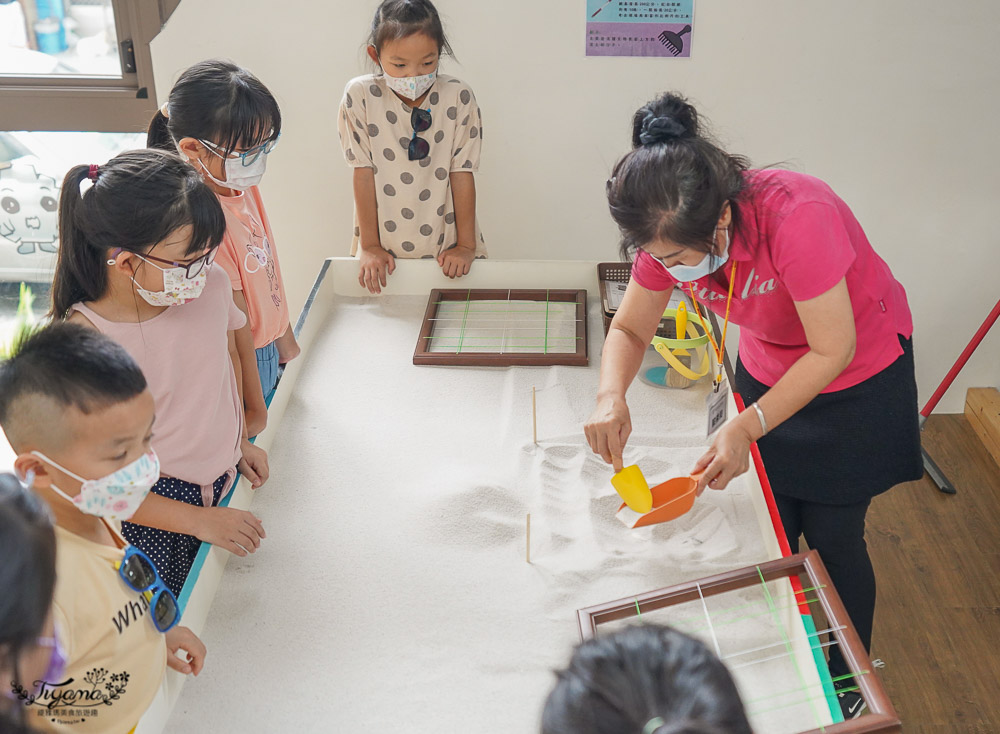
x: 247, y: 376
x: 635, y: 322
x: 457, y: 261
x: 828, y: 321
x: 376, y: 263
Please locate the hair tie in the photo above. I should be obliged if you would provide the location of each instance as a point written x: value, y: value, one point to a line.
x: 94, y: 170
x: 652, y: 725
x: 660, y: 129
x: 165, y: 109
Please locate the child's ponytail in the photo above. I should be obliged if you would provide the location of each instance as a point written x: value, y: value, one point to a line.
x: 137, y: 199
x: 79, y: 276
x: 158, y: 134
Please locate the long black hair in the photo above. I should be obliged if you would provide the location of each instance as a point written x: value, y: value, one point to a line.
x: 217, y: 101
x: 138, y: 198
x: 395, y: 19
x: 620, y: 683
x: 675, y: 182
x: 27, y: 577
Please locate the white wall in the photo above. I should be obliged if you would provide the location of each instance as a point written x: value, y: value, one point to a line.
x: 894, y: 103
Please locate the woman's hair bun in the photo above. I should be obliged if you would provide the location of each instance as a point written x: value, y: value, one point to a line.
x: 667, y: 118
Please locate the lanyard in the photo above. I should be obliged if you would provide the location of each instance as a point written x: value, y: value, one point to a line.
x: 720, y: 346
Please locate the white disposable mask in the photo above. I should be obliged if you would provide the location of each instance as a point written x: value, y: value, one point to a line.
x: 708, y: 265
x: 178, y: 289
x: 410, y: 87
x: 238, y: 176
x: 116, y: 496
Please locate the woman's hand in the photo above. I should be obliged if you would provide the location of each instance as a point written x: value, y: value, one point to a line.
x: 457, y: 261
x: 376, y: 266
x: 728, y: 457
x: 608, y: 429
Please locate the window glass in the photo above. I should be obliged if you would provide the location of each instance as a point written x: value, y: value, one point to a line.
x: 32, y: 167
x: 58, y: 38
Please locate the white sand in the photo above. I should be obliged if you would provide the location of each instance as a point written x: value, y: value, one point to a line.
x: 392, y: 592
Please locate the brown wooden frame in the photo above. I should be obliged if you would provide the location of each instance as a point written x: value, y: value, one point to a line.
x: 423, y: 355
x: 882, y: 719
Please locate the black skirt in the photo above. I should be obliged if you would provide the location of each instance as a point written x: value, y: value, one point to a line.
x: 845, y: 446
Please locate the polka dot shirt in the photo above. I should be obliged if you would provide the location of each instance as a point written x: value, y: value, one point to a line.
x: 416, y: 213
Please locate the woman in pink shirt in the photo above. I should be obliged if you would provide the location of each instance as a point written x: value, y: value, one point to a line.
x: 825, y: 355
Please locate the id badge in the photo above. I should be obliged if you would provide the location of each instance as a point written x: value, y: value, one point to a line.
x: 718, y: 408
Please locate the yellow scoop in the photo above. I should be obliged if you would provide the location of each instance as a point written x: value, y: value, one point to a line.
x: 682, y: 324
x: 631, y: 485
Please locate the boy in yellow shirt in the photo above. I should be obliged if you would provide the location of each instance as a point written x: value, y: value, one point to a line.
x: 76, y: 409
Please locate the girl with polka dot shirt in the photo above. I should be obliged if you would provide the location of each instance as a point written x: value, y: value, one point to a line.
x: 413, y: 138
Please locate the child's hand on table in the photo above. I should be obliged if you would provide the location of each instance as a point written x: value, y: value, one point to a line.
x: 457, y: 261
x: 238, y: 531
x: 288, y: 347
x: 376, y: 265
x: 253, y: 465
x: 181, y: 638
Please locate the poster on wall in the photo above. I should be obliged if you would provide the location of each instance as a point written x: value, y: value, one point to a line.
x: 640, y: 28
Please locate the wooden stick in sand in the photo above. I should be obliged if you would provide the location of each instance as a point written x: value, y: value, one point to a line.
x: 527, y: 547
x: 534, y: 417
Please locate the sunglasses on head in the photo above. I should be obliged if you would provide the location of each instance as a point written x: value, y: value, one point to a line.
x: 139, y: 574
x: 421, y: 121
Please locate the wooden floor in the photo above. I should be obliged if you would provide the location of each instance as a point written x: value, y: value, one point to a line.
x: 937, y: 560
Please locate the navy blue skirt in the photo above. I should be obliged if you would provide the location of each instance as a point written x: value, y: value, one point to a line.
x: 173, y: 554
x: 845, y: 446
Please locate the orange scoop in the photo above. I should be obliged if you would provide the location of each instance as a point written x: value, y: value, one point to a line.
x: 671, y: 499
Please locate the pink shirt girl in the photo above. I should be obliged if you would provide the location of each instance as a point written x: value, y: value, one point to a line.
x: 184, y: 354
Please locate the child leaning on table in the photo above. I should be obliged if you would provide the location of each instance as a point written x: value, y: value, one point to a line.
x: 76, y: 409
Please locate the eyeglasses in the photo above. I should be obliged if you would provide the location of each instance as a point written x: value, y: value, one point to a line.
x: 192, y: 269
x: 247, y: 157
x: 421, y: 121
x: 139, y: 574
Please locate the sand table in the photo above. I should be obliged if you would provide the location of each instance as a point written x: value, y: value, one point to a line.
x: 392, y: 592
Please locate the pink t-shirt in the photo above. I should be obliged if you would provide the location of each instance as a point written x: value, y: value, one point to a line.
x: 184, y: 354
x: 248, y: 256
x: 796, y: 241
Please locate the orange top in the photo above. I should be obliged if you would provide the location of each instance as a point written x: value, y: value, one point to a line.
x: 248, y: 256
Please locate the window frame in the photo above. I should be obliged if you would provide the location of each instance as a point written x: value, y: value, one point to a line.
x: 92, y: 103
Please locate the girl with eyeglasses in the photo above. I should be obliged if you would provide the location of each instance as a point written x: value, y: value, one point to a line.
x: 413, y: 137
x: 135, y: 262
x: 225, y: 122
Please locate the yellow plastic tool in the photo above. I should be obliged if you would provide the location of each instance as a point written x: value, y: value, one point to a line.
x: 681, y: 319
x: 631, y: 485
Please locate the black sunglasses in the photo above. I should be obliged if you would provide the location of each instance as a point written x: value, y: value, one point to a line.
x: 421, y: 121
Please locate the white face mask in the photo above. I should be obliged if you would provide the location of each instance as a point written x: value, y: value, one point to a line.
x: 238, y: 176
x: 178, y: 289
x: 116, y: 496
x: 410, y: 87
x: 708, y: 265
